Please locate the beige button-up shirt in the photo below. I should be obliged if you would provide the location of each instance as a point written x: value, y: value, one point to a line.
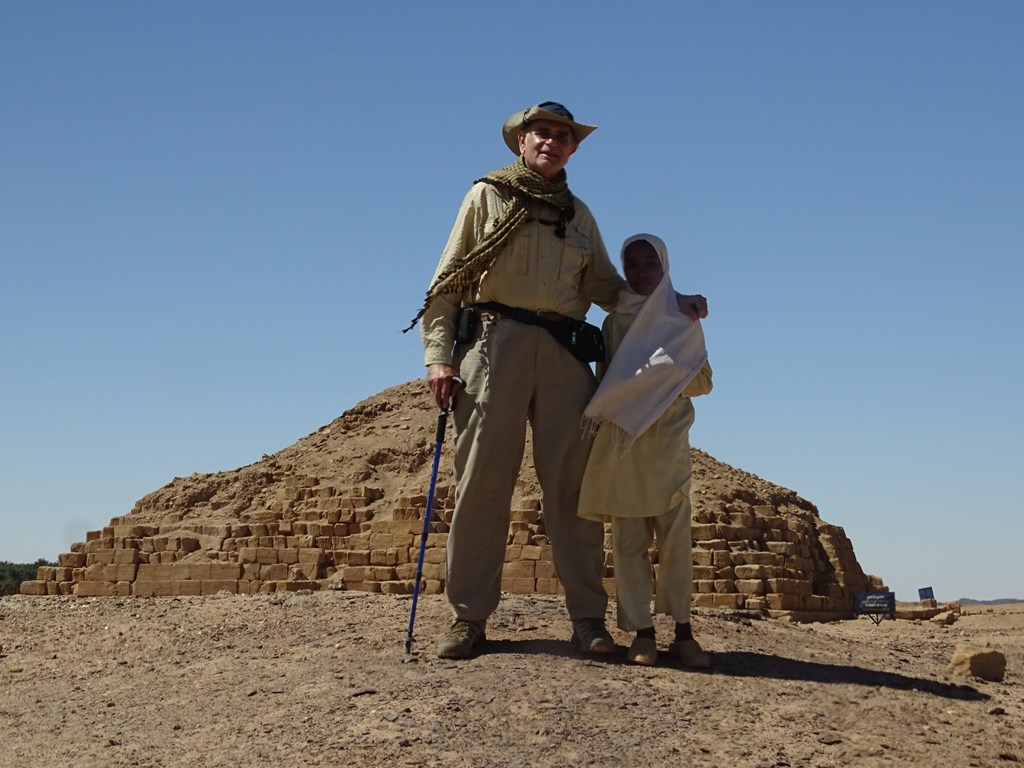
x: 536, y: 270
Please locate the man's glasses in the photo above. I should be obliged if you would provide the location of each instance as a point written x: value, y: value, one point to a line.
x: 558, y: 137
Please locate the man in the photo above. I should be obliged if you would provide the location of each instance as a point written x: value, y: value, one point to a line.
x: 524, y: 250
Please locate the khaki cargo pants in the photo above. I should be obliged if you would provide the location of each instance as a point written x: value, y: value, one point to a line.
x: 517, y: 374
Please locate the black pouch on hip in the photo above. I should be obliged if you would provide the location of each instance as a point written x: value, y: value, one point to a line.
x: 465, y: 328
x: 583, y: 340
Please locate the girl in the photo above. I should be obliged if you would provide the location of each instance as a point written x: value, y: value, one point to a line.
x: 638, y: 474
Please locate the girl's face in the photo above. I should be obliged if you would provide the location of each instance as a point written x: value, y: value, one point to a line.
x: 642, y: 266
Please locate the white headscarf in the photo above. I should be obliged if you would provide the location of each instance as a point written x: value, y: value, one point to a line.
x: 660, y: 354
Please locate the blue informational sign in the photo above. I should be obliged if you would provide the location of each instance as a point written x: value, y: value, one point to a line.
x: 925, y: 593
x: 877, y: 605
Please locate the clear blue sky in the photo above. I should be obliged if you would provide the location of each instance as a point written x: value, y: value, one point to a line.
x: 215, y: 218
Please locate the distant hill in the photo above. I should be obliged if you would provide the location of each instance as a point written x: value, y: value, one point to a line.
x: 1000, y: 601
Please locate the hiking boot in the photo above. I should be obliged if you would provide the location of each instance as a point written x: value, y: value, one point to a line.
x: 643, y: 651
x: 690, y: 653
x: 461, y: 640
x: 590, y: 636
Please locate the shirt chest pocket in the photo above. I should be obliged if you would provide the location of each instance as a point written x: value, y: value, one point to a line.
x: 575, y: 248
x: 536, y: 250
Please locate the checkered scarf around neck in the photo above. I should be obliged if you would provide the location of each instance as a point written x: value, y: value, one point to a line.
x: 524, y: 185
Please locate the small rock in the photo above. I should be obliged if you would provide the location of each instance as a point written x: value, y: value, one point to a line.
x: 986, y: 663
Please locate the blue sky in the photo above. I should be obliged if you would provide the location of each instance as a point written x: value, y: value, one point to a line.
x: 215, y: 218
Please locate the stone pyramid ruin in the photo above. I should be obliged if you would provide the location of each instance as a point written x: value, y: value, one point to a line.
x: 343, y: 508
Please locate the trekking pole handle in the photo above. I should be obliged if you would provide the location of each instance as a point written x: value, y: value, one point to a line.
x: 442, y: 419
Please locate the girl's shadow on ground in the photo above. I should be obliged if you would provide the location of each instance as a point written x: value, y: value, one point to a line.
x: 749, y: 664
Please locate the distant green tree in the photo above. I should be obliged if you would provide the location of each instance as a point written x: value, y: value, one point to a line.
x: 12, y: 574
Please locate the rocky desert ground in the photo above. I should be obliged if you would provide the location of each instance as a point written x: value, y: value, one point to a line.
x: 323, y: 679
x: 320, y: 677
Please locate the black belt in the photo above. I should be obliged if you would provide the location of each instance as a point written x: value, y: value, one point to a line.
x: 583, y: 340
x: 527, y: 316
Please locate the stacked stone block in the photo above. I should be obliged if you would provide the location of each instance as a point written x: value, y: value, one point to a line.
x: 755, y: 557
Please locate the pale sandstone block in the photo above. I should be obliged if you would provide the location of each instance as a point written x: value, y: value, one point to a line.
x: 780, y: 547
x: 125, y: 572
x: 366, y: 586
x: 200, y: 571
x: 434, y: 571
x: 303, y: 571
x: 518, y: 586
x: 544, y: 569
x: 702, y: 557
x: 126, y: 556
x: 437, y: 555
x: 36, y: 588
x: 518, y: 569
x: 72, y: 559
x: 94, y: 589
x: 100, y: 573
x: 785, y: 602
x: 288, y: 556
x: 297, y: 586
x: 432, y: 587
x: 749, y: 571
x: 186, y: 588
x: 547, y: 586
x: 405, y: 572
x: 531, y: 552
x: 750, y: 586
x: 100, y: 557
x: 354, y: 573
x: 756, y: 603
x: 732, y: 600
x: 400, y: 587
x: 818, y: 603
x: 273, y: 572
x: 383, y: 557
x: 721, y: 559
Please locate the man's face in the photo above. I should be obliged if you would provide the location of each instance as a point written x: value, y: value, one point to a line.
x: 546, y: 146
x: 642, y: 267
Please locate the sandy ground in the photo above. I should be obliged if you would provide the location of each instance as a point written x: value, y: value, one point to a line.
x: 322, y: 679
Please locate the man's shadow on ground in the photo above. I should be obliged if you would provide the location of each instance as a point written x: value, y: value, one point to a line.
x: 759, y: 665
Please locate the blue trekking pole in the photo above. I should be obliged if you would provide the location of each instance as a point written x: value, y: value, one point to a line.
x: 442, y: 421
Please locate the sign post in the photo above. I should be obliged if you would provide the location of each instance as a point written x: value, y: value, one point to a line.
x: 877, y: 605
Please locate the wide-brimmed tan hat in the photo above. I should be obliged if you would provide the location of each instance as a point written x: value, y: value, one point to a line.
x: 548, y: 110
